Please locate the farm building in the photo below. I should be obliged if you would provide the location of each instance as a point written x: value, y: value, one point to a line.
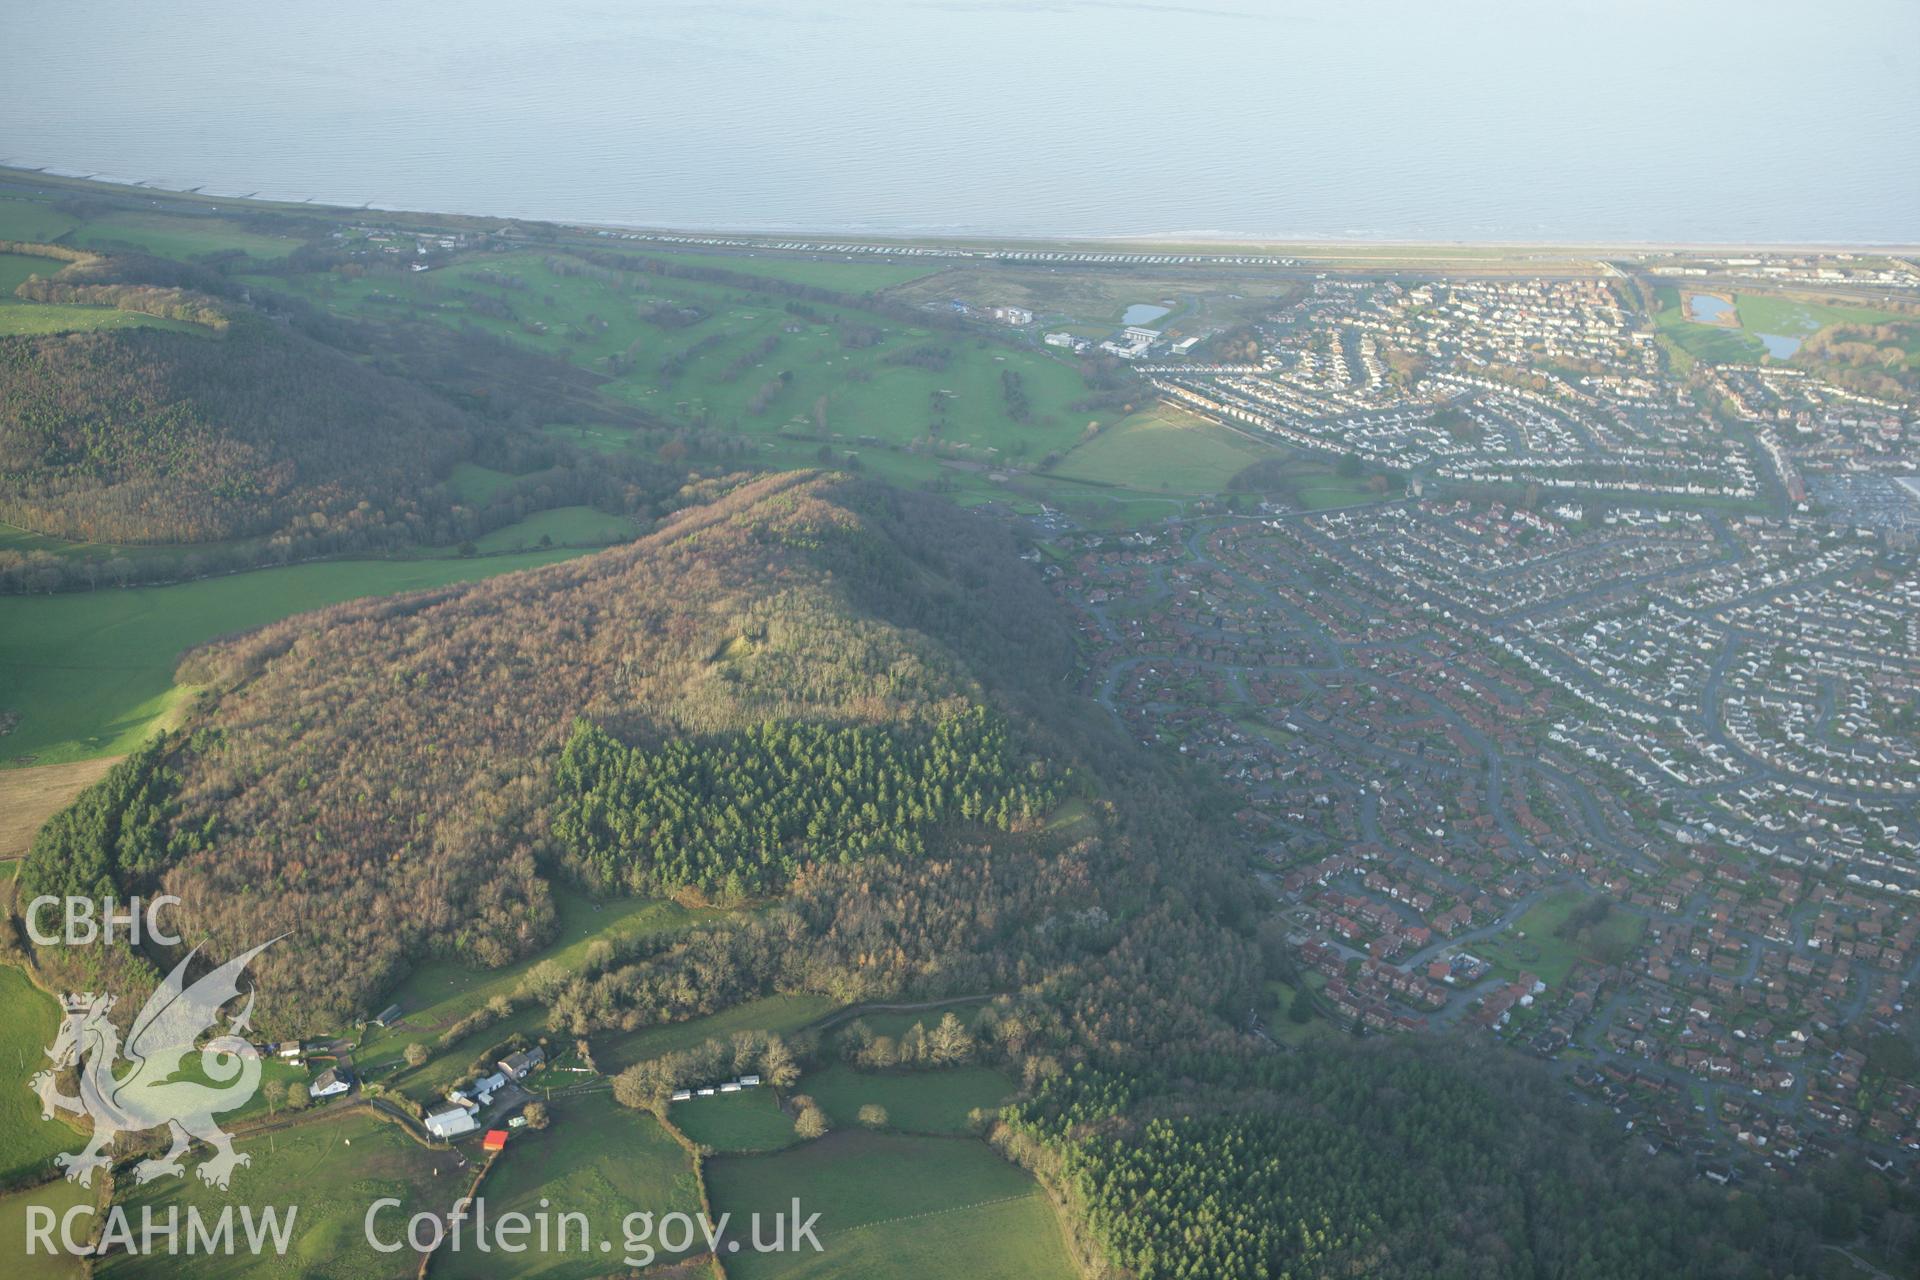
x: 481, y: 1090
x: 451, y: 1121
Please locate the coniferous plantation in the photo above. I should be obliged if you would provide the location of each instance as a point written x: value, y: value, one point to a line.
x: 743, y: 814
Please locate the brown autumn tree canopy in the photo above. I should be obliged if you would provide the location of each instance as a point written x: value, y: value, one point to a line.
x: 144, y: 435
x: 376, y: 779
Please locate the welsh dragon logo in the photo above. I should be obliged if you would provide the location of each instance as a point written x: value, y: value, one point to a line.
x: 158, y: 1044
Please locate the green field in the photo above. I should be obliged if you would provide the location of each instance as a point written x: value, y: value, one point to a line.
x: 1717, y: 344
x: 474, y: 484
x: 91, y: 672
x: 1318, y: 493
x: 1541, y: 951
x: 893, y: 1205
x: 1782, y: 314
x: 177, y: 236
x: 291, y: 1076
x: 16, y: 267
x: 33, y: 319
x: 1162, y: 448
x: 750, y: 1120
x: 59, y: 1196
x: 1309, y: 480
x: 1797, y: 317
x: 439, y: 993
x: 895, y: 1024
x: 597, y: 438
x: 782, y: 1014
x: 820, y: 377
x: 29, y: 1020
x: 596, y: 1158
x: 1285, y: 1029
x: 32, y: 221
x: 561, y: 527
x: 724, y: 377
x: 24, y: 541
x: 843, y: 275
x: 333, y: 1169
x: 916, y: 1101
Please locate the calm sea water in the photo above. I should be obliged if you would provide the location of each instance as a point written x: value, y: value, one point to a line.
x: 1756, y: 120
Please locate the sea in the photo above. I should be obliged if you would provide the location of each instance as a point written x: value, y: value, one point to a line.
x: 1642, y: 121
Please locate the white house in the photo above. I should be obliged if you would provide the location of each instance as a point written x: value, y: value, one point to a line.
x: 334, y: 1080
x: 516, y: 1065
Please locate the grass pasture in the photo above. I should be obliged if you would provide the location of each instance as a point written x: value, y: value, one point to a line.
x: 36, y: 319
x: 15, y: 268
x: 750, y: 1120
x: 475, y: 484
x: 333, y: 1169
x: 439, y: 993
x: 743, y: 362
x: 1324, y: 491
x: 29, y: 1019
x: 169, y: 235
x: 289, y: 1076
x: 1534, y: 942
x: 596, y: 1158
x: 59, y: 1196
x: 1717, y: 344
x: 30, y: 220
x: 91, y: 672
x: 916, y: 1101
x: 28, y: 797
x: 892, y: 1205
x: 1307, y: 480
x: 595, y: 438
x: 1797, y: 317
x: 1165, y: 449
x: 1283, y: 1028
x: 864, y: 274
x: 895, y: 1022
x: 25, y: 541
x: 561, y: 527
x: 782, y: 1014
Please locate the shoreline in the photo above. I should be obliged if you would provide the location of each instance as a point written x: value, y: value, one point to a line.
x: 1308, y: 245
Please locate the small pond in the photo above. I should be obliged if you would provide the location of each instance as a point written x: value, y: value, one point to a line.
x: 1707, y: 309
x: 1143, y: 313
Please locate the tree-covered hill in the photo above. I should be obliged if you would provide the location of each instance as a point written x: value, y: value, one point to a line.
x: 378, y: 778
x: 152, y: 435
